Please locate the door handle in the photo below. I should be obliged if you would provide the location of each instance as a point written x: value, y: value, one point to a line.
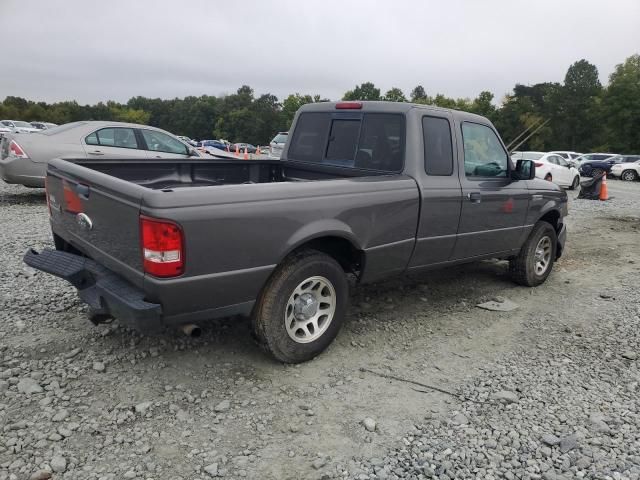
x: 474, y: 197
x: 96, y: 152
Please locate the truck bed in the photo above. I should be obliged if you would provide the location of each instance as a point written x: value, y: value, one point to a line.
x: 170, y: 174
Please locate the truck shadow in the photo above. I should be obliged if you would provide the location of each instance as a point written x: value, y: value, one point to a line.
x: 28, y: 197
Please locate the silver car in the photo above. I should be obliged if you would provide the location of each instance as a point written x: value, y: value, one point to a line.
x: 18, y: 126
x: 23, y: 158
x: 277, y: 144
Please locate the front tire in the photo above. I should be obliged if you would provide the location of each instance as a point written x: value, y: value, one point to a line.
x: 595, y: 172
x: 629, y: 175
x: 302, y: 307
x: 535, y: 261
x: 576, y: 182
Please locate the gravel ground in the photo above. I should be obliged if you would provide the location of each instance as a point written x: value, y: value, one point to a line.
x: 549, y: 390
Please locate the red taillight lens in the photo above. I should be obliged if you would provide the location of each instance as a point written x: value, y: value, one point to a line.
x: 349, y: 105
x: 72, y: 201
x: 16, y: 150
x: 162, y: 247
x: 538, y: 164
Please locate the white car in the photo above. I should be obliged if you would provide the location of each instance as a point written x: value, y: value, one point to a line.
x: 18, y: 126
x: 552, y: 167
x: 569, y: 156
x: 629, y: 169
x: 277, y: 144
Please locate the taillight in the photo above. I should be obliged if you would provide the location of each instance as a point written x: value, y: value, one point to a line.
x: 16, y: 150
x: 538, y: 164
x: 162, y: 247
x: 349, y: 105
x: 72, y: 201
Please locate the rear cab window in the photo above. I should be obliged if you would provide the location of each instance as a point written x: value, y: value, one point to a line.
x: 369, y: 141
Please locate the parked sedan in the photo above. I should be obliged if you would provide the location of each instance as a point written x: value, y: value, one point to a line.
x: 23, y: 158
x: 570, y: 157
x: 629, y: 169
x: 213, y: 144
x: 593, y: 164
x: 43, y: 125
x: 18, y: 126
x: 277, y: 144
x: 241, y: 146
x: 556, y: 169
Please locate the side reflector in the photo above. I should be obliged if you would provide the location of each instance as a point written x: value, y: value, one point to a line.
x: 162, y: 247
x: 348, y: 105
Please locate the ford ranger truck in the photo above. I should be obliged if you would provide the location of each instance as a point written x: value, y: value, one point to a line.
x: 363, y: 189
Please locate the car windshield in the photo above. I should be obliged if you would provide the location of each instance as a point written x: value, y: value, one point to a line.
x: 22, y: 124
x: 62, y: 128
x: 280, y: 138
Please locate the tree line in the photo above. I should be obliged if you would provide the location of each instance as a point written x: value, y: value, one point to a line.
x: 579, y: 114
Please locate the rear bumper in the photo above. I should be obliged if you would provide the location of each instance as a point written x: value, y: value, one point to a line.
x: 23, y: 171
x: 104, y: 291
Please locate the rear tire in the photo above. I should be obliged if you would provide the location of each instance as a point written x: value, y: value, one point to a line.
x: 576, y: 182
x: 629, y: 175
x: 595, y: 172
x: 302, y: 307
x: 548, y: 177
x: 535, y: 261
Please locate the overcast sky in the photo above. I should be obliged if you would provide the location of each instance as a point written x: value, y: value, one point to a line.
x: 89, y: 50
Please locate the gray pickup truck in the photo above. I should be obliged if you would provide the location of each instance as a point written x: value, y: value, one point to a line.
x: 363, y: 189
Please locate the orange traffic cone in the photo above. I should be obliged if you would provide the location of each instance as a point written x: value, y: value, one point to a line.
x: 246, y: 154
x: 237, y: 151
x: 258, y: 151
x: 604, y: 193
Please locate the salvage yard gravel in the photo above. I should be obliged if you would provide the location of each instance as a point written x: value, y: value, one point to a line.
x: 549, y: 390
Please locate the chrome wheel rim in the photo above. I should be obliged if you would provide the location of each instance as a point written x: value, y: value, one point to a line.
x: 542, y: 258
x: 628, y: 176
x: 310, y: 309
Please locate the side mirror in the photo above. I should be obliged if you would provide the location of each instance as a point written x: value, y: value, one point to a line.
x: 525, y: 170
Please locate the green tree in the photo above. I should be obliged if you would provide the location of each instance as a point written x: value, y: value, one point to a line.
x: 621, y: 105
x: 366, y: 91
x: 418, y: 94
x: 395, y: 95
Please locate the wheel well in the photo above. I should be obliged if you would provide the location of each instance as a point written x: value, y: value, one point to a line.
x: 350, y: 258
x: 552, y: 217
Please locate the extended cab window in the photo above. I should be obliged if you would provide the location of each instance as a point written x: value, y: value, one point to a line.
x: 373, y: 141
x: 160, y: 142
x: 113, y: 137
x: 483, y: 152
x: 438, y: 151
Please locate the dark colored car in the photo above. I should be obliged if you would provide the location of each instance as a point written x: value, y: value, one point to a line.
x: 366, y: 190
x: 212, y: 143
x: 241, y: 146
x: 594, y: 164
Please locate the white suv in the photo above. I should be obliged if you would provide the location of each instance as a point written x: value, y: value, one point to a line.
x: 628, y: 169
x: 277, y: 144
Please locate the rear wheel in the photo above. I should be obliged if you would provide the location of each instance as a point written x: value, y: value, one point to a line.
x: 535, y: 261
x: 302, y: 307
x: 596, y: 171
x: 576, y: 182
x: 629, y: 175
x: 548, y: 177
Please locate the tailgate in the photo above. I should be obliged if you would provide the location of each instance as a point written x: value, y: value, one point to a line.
x: 98, y: 214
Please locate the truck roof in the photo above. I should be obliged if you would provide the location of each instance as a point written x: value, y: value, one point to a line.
x: 389, y: 107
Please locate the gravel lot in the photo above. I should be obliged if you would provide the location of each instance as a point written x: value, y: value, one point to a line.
x: 548, y: 391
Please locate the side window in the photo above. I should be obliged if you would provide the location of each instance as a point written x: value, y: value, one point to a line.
x: 92, y: 139
x: 113, y: 137
x: 160, y: 142
x: 483, y: 152
x: 438, y: 151
x: 343, y: 141
x: 562, y: 162
x: 553, y: 160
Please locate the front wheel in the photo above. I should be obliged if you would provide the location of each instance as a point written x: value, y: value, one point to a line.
x: 576, y: 182
x: 302, y: 307
x: 595, y: 172
x: 629, y: 175
x: 535, y: 261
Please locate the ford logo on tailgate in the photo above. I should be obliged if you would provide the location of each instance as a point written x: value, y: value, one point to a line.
x: 83, y: 221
